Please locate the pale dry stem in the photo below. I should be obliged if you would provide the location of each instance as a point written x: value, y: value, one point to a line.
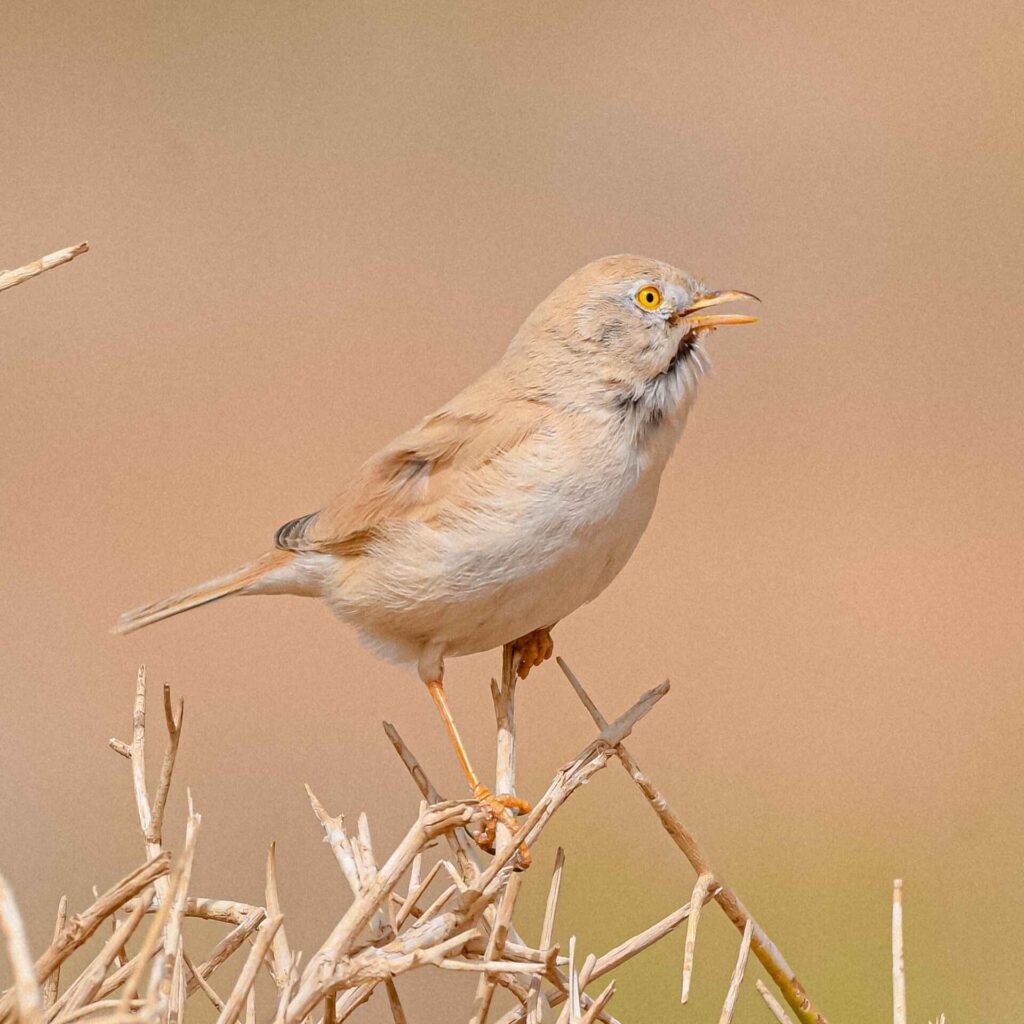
x: 10, y: 278
x: 764, y: 949
x: 386, y: 931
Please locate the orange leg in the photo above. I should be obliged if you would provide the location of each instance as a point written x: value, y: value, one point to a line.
x: 498, y: 807
x: 533, y: 649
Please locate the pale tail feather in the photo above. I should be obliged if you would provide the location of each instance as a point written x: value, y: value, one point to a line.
x: 212, y: 590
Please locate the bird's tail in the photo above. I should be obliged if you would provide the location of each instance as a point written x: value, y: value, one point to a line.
x: 239, y: 581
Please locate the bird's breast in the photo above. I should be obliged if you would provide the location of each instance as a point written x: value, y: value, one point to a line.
x: 540, y: 535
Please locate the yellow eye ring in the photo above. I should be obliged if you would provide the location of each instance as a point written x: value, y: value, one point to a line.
x: 648, y: 297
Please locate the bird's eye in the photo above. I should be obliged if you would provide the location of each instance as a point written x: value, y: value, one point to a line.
x: 649, y: 297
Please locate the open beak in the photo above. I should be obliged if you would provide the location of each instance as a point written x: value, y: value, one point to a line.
x: 702, y: 323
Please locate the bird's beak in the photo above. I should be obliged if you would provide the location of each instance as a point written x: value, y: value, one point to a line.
x: 702, y: 323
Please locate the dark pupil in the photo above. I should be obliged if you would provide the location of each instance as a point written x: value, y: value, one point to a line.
x: 649, y: 297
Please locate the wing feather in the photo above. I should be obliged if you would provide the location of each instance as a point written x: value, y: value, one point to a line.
x: 429, y: 468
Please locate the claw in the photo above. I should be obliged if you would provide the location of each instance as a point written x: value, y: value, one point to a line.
x: 497, y: 808
x: 513, y: 803
x: 533, y: 649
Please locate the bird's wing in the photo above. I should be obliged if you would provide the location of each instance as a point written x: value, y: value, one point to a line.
x: 435, y: 465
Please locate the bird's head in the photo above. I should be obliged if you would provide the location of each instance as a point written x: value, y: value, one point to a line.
x: 622, y: 325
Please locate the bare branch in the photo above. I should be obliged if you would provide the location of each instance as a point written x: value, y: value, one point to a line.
x: 465, y: 854
x: 337, y: 838
x: 397, y: 1012
x: 240, y: 992
x: 700, y: 890
x: 167, y: 768
x: 196, y: 980
x: 595, y: 1009
x: 899, y: 981
x: 81, y: 927
x: 281, y: 956
x: 9, y: 278
x: 52, y: 985
x: 86, y: 988
x: 466, y: 928
x: 546, y: 932
x: 227, y: 946
x: 764, y: 949
x: 773, y: 1004
x: 27, y: 992
x: 737, y: 976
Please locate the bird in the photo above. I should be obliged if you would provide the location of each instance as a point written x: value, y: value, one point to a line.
x: 517, y: 501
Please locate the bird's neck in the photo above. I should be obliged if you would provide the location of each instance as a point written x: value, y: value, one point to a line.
x: 661, y: 402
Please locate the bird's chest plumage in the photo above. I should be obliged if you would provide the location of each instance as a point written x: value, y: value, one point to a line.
x: 546, y: 532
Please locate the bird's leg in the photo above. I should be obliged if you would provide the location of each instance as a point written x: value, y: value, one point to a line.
x: 532, y: 649
x: 497, y: 806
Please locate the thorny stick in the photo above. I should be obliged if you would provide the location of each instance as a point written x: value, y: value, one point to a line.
x: 53, y: 981
x: 773, y: 1004
x: 414, y: 896
x: 495, y: 949
x: 397, y: 1012
x: 175, y: 897
x: 568, y: 779
x: 138, y: 760
x: 167, y: 767
x: 899, y: 980
x: 700, y: 890
x: 352, y: 1000
x: 433, y: 822
x: 480, y: 895
x: 27, y: 992
x: 227, y: 946
x: 233, y: 1005
x: 463, y: 850
x: 197, y: 980
x: 737, y: 976
x: 281, y: 957
x: 151, y: 944
x: 286, y: 992
x: 597, y: 1006
x: 81, y: 927
x: 151, y: 816
x: 546, y: 931
x: 117, y: 978
x: 764, y: 949
x: 337, y: 838
x: 467, y: 929
x: 173, y: 994
x: 88, y: 984
x: 504, y: 698
x: 9, y: 278
x: 617, y: 956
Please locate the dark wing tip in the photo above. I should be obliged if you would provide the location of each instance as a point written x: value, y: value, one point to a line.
x: 292, y: 535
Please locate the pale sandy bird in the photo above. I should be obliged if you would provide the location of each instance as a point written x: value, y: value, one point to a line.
x: 515, y: 503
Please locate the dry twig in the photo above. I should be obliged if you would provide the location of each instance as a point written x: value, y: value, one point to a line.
x: 899, y: 980
x: 773, y: 1004
x: 27, y: 992
x: 737, y: 976
x: 764, y: 949
x: 52, y: 985
x: 467, y: 927
x: 9, y: 278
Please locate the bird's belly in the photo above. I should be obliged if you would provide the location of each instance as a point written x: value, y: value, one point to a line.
x: 551, y: 591
x: 472, y: 590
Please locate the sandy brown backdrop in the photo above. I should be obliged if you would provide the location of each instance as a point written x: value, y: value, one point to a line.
x: 313, y: 223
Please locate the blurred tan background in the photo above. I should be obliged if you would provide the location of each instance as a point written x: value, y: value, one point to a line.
x: 311, y: 224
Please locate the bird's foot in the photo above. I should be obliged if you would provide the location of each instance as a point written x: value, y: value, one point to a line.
x: 533, y: 649
x: 500, y: 808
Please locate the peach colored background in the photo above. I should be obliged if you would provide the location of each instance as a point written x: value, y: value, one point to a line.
x: 313, y: 223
